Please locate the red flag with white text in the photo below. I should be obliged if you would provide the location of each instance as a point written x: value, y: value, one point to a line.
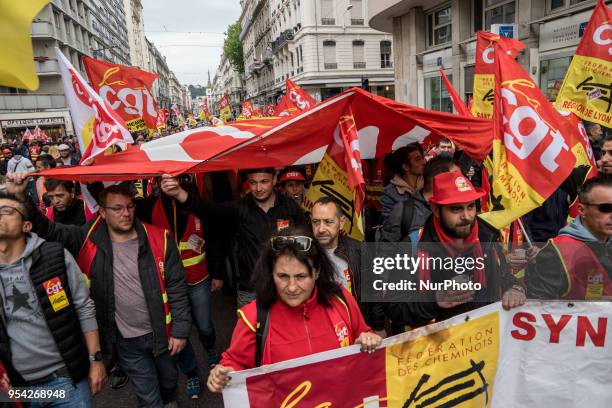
x: 127, y: 90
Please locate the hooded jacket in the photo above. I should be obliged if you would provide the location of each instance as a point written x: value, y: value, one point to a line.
x: 547, y: 277
x: 397, y: 191
x: 19, y: 164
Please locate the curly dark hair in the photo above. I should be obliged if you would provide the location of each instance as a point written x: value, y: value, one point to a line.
x: 315, y: 259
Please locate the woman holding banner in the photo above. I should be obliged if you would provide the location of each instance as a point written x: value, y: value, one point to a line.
x: 299, y: 310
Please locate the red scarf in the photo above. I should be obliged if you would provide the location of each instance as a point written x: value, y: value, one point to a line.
x: 454, y: 248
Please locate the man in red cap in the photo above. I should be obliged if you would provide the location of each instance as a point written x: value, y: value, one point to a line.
x: 291, y: 182
x: 453, y: 231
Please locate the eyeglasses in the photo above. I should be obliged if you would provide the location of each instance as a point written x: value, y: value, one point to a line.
x: 605, y: 208
x: 301, y: 243
x: 120, y: 208
x: 8, y: 210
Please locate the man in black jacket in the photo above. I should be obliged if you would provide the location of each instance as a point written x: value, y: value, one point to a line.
x: 138, y: 285
x: 242, y: 227
x: 65, y: 207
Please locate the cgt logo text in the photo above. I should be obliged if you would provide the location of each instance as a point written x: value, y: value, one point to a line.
x: 53, y: 286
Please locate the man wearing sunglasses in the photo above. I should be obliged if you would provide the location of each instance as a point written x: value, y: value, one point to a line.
x: 577, y: 264
x: 48, y: 330
x: 138, y: 285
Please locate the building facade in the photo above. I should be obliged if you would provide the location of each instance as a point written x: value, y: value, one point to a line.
x: 325, y: 46
x: 69, y: 25
x: 228, y: 81
x: 434, y: 34
x: 136, y: 33
x: 109, y: 22
x: 156, y: 63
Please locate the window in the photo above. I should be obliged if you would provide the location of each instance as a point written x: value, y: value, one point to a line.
x: 439, y: 27
x: 499, y: 12
x: 358, y: 55
x: 468, y: 75
x: 552, y: 74
x: 385, y: 54
x: 436, y: 96
x: 356, y: 12
x: 327, y: 12
x: 329, y: 55
x: 561, y: 4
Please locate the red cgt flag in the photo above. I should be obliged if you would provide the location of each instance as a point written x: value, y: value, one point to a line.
x: 298, y: 97
x: 531, y: 147
x: 126, y: 90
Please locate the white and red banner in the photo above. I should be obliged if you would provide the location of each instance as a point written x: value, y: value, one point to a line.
x: 382, y: 125
x: 125, y: 89
x: 247, y: 109
x: 96, y: 124
x: 543, y: 354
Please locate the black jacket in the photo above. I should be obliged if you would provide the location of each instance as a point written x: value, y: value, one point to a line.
x: 73, y: 215
x: 240, y: 230
x: 102, y: 287
x: 498, y: 280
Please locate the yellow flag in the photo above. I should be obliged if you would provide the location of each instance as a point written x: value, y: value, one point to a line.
x: 16, y: 56
x: 586, y: 89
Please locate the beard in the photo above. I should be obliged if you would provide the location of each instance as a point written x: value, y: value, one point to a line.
x: 454, y: 232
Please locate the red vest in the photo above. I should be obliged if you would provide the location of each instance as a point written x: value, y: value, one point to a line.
x: 587, y: 278
x: 157, y: 238
x: 191, y: 244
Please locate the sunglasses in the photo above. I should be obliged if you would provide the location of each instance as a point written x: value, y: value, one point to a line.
x: 301, y: 243
x: 605, y: 208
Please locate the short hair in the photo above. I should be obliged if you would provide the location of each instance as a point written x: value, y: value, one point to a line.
x: 394, y: 161
x: 601, y: 180
x: 47, y: 161
x: 607, y: 138
x: 315, y: 259
x: 22, y: 203
x: 267, y: 170
x: 119, y: 189
x: 437, y: 165
x: 329, y: 200
x: 52, y: 184
x: 444, y: 140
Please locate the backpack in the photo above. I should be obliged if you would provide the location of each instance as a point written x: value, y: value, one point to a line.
x: 263, y: 326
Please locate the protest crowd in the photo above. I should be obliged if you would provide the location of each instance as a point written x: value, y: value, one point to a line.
x: 104, y: 277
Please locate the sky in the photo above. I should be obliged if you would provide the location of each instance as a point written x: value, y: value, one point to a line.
x: 190, y: 34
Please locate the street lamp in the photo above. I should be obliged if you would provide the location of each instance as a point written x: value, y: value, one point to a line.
x: 348, y: 8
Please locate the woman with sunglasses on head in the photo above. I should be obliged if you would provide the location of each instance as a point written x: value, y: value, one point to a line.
x: 300, y: 309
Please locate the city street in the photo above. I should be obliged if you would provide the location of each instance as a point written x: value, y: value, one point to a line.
x: 224, y: 316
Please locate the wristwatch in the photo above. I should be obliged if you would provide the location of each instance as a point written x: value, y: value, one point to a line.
x: 519, y: 288
x: 97, y: 356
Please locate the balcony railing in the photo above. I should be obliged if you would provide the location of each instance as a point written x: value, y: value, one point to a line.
x: 42, y: 29
x: 359, y: 65
x: 31, y: 101
x: 386, y: 64
x: 328, y: 21
x: 49, y: 67
x: 356, y: 21
x: 330, y: 65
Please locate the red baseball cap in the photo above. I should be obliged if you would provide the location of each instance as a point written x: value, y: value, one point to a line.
x: 454, y: 188
x: 292, y: 176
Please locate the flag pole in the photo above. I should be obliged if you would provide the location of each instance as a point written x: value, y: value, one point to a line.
x: 520, y: 222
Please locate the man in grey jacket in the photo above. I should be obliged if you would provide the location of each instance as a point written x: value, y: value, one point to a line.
x: 48, y: 330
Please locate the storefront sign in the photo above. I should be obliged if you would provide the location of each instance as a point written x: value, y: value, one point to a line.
x: 435, y: 60
x: 564, y: 32
x: 19, y: 123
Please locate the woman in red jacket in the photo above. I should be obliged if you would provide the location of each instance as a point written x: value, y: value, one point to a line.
x: 307, y: 311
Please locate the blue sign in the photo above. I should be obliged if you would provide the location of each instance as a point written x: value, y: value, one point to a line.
x: 506, y: 31
x: 439, y: 62
x: 582, y: 28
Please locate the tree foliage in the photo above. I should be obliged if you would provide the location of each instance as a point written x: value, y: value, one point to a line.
x: 232, y: 47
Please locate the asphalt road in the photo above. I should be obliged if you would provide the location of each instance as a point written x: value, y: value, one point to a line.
x: 224, y: 317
